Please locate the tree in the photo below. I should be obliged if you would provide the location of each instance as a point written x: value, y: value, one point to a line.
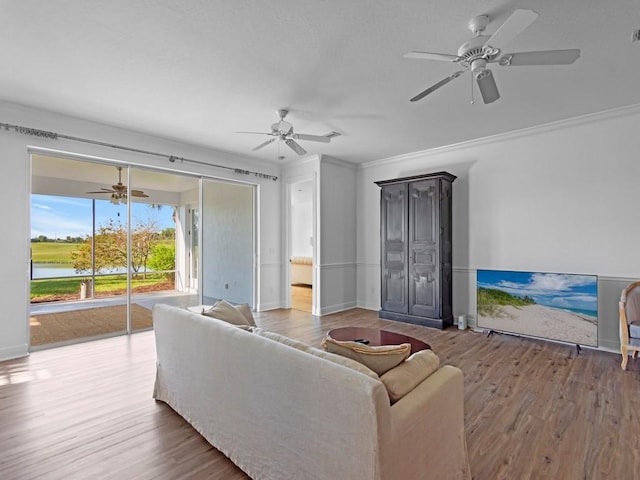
x: 111, y: 247
x: 163, y: 257
x: 109, y: 251
x: 143, y: 238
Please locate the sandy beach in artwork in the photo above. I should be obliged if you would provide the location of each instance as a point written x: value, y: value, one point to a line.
x: 545, y: 322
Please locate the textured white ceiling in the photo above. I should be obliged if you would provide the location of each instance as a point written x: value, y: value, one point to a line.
x: 201, y: 70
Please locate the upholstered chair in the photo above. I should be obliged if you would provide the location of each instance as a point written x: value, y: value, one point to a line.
x: 630, y: 322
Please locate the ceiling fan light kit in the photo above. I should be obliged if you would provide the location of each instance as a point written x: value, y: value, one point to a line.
x: 481, y: 50
x: 283, y: 132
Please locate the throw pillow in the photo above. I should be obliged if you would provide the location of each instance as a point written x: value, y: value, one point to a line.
x: 378, y: 358
x: 223, y: 310
x: 346, y: 362
x: 410, y: 373
x: 245, y: 310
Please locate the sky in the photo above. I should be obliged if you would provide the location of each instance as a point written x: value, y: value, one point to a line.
x: 556, y: 290
x: 59, y: 217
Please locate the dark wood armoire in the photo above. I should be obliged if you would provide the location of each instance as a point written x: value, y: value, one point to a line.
x: 415, y: 247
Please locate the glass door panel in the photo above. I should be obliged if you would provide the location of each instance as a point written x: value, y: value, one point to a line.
x: 227, y: 229
x: 160, y: 242
x: 76, y: 269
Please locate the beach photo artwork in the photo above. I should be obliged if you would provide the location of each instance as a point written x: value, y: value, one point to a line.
x: 556, y: 306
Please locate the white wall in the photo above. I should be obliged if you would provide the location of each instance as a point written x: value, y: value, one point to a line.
x: 558, y: 198
x: 14, y: 170
x: 338, y: 246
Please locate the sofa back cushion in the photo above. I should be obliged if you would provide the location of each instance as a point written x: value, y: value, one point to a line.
x: 245, y: 310
x: 380, y: 359
x: 347, y: 362
x: 223, y: 310
x: 410, y: 373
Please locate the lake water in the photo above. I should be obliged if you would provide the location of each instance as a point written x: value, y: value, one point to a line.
x: 47, y: 270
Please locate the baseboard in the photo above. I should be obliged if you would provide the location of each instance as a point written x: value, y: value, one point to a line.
x: 263, y: 307
x: 368, y: 305
x: 9, y: 353
x: 337, y: 308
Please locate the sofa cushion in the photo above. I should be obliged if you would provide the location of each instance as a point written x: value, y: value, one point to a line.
x: 223, y: 310
x: 378, y: 358
x: 347, y: 362
x: 245, y: 310
x: 410, y: 373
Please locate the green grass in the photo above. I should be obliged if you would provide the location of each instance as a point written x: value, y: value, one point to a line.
x: 490, y: 300
x: 68, y: 288
x: 49, y: 252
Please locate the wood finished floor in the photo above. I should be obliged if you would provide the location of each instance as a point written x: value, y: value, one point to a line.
x: 302, y: 297
x: 533, y: 409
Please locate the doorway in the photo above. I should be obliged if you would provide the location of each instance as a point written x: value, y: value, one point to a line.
x: 301, y: 261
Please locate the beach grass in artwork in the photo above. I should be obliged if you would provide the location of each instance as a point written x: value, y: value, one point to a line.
x: 556, y: 306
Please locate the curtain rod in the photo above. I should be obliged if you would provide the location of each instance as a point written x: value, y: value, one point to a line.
x: 34, y: 132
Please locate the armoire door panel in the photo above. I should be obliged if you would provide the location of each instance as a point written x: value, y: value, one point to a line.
x: 424, y: 235
x: 394, y: 268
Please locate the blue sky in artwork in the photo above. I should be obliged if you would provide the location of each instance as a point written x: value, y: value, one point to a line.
x: 60, y: 217
x: 557, y: 290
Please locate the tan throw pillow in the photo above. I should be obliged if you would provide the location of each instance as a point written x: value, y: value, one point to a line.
x: 223, y: 310
x: 379, y: 358
x: 410, y: 373
x: 245, y: 310
x: 346, y: 362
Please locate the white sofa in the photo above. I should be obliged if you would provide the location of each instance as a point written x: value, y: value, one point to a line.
x: 282, y: 413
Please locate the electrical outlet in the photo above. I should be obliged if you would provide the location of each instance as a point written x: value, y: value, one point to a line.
x: 226, y: 286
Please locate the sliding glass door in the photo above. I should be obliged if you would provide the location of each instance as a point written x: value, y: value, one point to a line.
x: 108, y: 242
x: 227, y: 230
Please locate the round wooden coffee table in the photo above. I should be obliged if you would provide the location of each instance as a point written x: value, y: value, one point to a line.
x: 376, y: 337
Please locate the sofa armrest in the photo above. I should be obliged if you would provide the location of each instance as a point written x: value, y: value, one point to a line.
x: 428, y: 429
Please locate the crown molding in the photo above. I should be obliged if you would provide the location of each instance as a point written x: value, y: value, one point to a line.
x: 337, y: 162
x: 604, y: 115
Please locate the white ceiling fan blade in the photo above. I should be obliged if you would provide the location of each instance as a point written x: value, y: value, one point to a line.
x: 443, y: 57
x: 487, y: 86
x: 264, y: 144
x: 433, y: 88
x: 512, y: 27
x: 257, y: 133
x: 544, y: 57
x: 295, y: 147
x: 312, y: 138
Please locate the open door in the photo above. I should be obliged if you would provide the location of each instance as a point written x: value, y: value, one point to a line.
x: 301, y: 245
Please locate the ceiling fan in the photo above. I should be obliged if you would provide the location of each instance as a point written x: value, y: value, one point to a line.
x: 484, y: 49
x: 283, y: 130
x: 119, y: 191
